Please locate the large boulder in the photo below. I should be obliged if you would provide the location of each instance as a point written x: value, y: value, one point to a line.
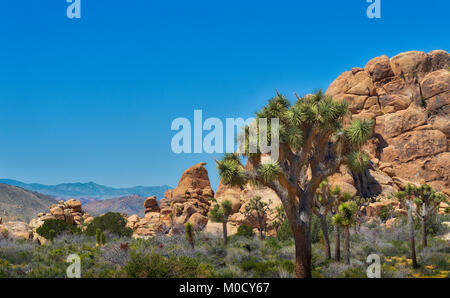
x: 151, y: 205
x: 194, y: 181
x: 16, y: 230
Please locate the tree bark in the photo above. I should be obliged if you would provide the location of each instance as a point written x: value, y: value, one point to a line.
x: 261, y: 224
x: 326, y: 238
x: 337, y: 244
x: 225, y: 232
x: 347, y: 245
x: 411, y: 235
x: 302, y: 239
x: 424, y: 232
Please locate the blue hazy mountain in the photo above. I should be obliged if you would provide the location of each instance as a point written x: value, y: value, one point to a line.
x: 88, y: 190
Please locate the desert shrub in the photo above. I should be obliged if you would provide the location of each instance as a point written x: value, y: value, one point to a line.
x: 157, y: 266
x: 111, y: 222
x: 273, y: 243
x: 435, y: 226
x: 354, y: 272
x: 245, y: 231
x: 55, y: 227
x: 285, y: 233
x: 266, y: 268
x: 386, y: 212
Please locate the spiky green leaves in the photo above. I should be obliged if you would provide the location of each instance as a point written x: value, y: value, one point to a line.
x: 269, y: 171
x: 359, y: 131
x: 221, y: 211
x: 231, y: 171
x: 357, y: 161
x: 346, y: 215
x: 331, y: 113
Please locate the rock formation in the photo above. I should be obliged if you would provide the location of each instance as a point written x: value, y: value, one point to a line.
x: 69, y: 211
x: 408, y: 97
x: 15, y: 230
x: 189, y: 201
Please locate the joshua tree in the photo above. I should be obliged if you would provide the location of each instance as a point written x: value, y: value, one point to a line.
x: 323, y: 202
x: 311, y: 137
x: 427, y: 201
x: 220, y: 213
x: 279, y: 218
x: 336, y: 192
x: 259, y: 208
x: 361, y: 203
x: 407, y: 198
x: 190, y: 233
x: 346, y: 217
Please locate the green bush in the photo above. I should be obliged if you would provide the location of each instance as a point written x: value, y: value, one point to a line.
x: 157, y: 266
x: 266, y: 269
x: 386, y: 212
x: 111, y: 222
x: 245, y: 231
x: 55, y: 227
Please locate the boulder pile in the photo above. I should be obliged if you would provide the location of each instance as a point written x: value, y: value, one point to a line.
x: 408, y: 97
x: 188, y: 202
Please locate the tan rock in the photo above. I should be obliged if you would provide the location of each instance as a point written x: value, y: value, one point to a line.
x: 394, y: 102
x: 379, y: 68
x: 402, y: 121
x: 151, y: 205
x: 193, y: 178
x: 435, y: 83
x: 73, y: 204
x: 16, y: 230
x: 413, y: 62
x: 439, y: 59
x: 198, y: 221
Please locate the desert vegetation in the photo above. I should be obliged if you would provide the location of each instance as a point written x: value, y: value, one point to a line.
x: 245, y: 255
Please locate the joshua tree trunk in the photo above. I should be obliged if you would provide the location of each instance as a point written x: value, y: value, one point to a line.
x: 326, y: 239
x: 261, y: 226
x: 225, y: 232
x: 302, y: 239
x: 337, y: 244
x: 347, y: 245
x: 411, y: 235
x: 424, y: 232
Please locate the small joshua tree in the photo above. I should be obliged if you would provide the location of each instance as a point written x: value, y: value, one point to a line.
x: 346, y: 217
x: 190, y: 233
x: 220, y: 213
x: 311, y: 137
x: 406, y: 197
x: 279, y: 218
x: 323, y: 202
x: 259, y: 208
x: 427, y: 201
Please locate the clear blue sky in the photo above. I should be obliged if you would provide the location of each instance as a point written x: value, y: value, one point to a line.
x: 93, y: 99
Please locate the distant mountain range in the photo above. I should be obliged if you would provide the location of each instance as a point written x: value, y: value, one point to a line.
x: 133, y: 204
x: 19, y: 204
x: 88, y: 190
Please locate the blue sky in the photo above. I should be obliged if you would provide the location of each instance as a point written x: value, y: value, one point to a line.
x: 93, y: 99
